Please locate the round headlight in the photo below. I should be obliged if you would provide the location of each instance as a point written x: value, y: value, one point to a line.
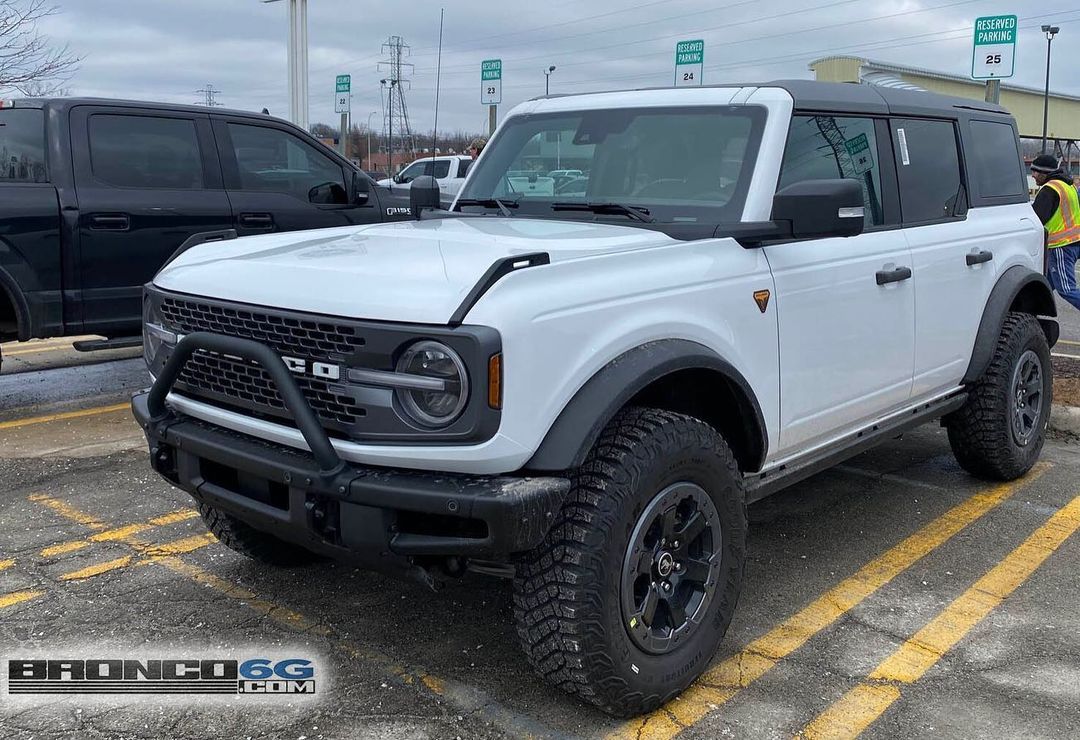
x: 443, y: 401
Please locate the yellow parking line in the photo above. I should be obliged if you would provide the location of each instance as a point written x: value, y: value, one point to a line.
x: 1068, y: 341
x: 720, y: 683
x: 67, y: 511
x: 860, y: 707
x: 15, y: 423
x: 36, y: 350
x: 178, y: 547
x: 18, y: 597
x: 97, y: 570
x: 5, y: 564
x: 119, y: 533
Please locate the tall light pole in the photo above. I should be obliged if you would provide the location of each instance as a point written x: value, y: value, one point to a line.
x: 547, y: 79
x: 369, y: 115
x: 1051, y: 32
x: 389, y: 85
x: 298, y: 62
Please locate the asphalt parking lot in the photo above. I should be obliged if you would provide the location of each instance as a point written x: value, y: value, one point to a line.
x: 894, y: 595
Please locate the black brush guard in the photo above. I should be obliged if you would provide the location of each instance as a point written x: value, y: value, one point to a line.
x: 381, y: 516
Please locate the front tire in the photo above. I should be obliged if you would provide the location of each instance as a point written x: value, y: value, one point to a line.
x: 999, y: 433
x: 625, y: 602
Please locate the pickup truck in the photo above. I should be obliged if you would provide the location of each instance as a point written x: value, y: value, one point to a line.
x: 96, y: 195
x: 449, y: 172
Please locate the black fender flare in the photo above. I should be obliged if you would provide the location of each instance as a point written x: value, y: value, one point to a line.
x: 1037, y: 299
x: 22, y: 308
x: 581, y: 421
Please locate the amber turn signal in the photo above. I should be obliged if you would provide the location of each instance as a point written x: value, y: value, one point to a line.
x: 495, y: 381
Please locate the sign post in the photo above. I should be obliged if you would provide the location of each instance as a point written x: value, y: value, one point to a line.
x: 859, y: 151
x: 491, y: 89
x: 993, y: 55
x: 343, y: 105
x: 689, y: 62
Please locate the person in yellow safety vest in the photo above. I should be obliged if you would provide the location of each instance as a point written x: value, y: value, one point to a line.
x: 1058, y: 207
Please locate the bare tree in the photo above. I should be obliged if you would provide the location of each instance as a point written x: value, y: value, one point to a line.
x: 29, y: 62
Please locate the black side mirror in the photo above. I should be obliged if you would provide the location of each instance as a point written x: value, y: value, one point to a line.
x: 361, y: 186
x: 821, y: 208
x: 424, y: 193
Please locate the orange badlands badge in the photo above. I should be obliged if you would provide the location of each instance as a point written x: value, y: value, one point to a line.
x: 761, y: 297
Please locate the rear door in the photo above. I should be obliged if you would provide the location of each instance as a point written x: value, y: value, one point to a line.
x: 846, y: 306
x: 145, y: 180
x: 278, y: 180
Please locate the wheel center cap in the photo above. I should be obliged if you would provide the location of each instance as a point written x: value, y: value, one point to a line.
x: 665, y: 563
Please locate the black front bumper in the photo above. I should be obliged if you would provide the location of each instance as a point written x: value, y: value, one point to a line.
x: 383, y: 517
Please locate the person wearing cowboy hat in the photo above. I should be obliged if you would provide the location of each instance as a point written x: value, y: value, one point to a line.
x: 1058, y: 207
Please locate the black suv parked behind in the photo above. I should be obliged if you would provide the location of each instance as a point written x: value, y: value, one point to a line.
x: 96, y: 195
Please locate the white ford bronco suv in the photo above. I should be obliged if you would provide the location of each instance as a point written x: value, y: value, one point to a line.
x: 582, y: 388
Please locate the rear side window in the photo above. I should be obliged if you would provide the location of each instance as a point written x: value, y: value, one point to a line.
x: 995, y: 161
x: 145, y: 152
x: 22, y: 145
x: 832, y: 147
x: 928, y: 166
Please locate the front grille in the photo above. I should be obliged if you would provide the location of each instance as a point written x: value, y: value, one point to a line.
x: 235, y: 380
x: 297, y: 337
x: 230, y: 381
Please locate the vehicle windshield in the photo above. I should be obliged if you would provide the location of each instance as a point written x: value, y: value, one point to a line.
x: 675, y: 165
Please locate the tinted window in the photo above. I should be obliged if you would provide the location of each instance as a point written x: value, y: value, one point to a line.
x: 276, y: 161
x: 929, y: 170
x: 145, y: 152
x: 830, y: 148
x: 22, y: 145
x: 995, y: 160
x: 688, y: 164
x: 440, y: 168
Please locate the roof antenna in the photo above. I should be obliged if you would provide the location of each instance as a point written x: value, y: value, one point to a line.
x: 438, y: 79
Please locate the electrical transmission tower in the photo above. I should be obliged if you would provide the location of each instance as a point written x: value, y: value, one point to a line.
x: 208, y: 94
x: 396, y: 83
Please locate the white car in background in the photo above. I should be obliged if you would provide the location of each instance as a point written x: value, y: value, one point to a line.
x: 448, y: 171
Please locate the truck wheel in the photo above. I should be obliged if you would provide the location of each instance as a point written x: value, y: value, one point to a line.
x: 246, y: 540
x: 999, y: 433
x: 625, y: 602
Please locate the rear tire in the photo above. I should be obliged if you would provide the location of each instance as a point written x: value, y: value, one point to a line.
x: 257, y: 545
x: 999, y: 433
x: 611, y: 607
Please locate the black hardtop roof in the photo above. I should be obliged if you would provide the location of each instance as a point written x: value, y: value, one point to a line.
x: 849, y: 97
x: 65, y: 103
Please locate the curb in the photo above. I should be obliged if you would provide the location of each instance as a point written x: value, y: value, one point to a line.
x: 1065, y: 419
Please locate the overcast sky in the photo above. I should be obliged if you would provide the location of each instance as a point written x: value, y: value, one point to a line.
x: 168, y: 49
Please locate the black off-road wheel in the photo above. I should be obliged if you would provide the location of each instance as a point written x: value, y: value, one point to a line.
x: 999, y: 433
x: 257, y: 545
x: 625, y: 602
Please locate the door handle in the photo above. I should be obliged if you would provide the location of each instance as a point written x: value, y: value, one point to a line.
x: 896, y: 275
x: 110, y: 222
x: 256, y: 220
x: 977, y: 258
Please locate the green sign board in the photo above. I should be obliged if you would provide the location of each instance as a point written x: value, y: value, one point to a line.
x: 859, y: 144
x: 994, y: 48
x: 491, y: 69
x: 689, y: 62
x: 343, y: 83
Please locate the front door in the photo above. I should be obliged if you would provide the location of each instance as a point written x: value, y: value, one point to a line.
x: 279, y: 181
x: 146, y: 180
x: 846, y: 306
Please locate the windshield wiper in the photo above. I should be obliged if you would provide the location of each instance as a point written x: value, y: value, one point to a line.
x: 638, y: 213
x: 504, y: 206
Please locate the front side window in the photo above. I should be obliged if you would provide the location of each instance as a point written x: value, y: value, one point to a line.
x: 676, y: 165
x: 275, y: 161
x: 928, y: 168
x: 145, y: 152
x: 438, y: 169
x: 995, y: 160
x: 834, y: 147
x: 22, y: 145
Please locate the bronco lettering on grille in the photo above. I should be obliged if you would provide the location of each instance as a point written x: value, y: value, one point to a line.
x: 323, y: 370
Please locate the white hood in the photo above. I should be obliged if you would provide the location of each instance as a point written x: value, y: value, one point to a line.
x: 411, y: 271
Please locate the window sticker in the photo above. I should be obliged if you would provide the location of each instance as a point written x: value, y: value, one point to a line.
x: 904, y: 158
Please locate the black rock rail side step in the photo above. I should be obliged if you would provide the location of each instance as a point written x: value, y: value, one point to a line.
x: 97, y: 345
